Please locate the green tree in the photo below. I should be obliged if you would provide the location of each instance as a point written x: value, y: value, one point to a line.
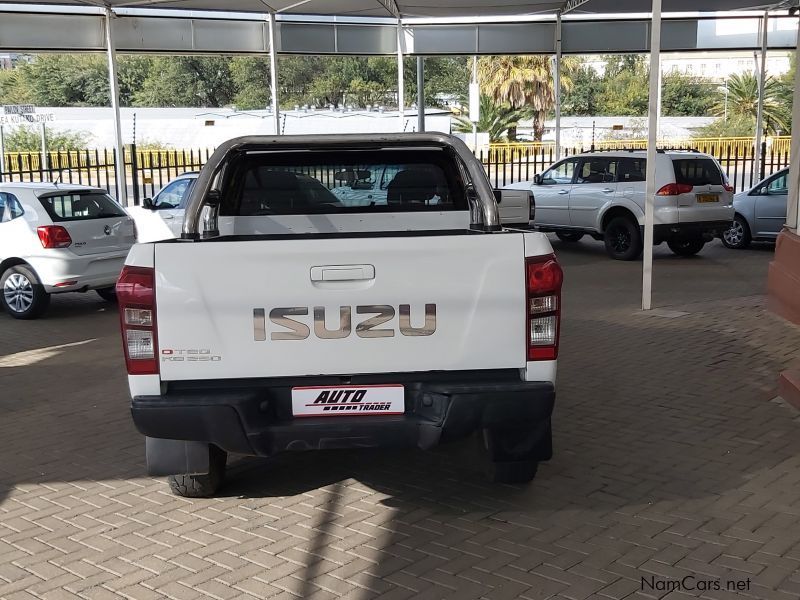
x: 686, y: 95
x: 199, y: 81
x: 523, y: 82
x: 584, y: 98
x: 733, y: 126
x: 785, y: 93
x: 28, y: 139
x: 625, y: 86
x: 251, y: 82
x: 494, y: 119
x: 742, y: 102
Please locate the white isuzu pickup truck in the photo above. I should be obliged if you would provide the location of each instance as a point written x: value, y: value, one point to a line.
x: 284, y: 320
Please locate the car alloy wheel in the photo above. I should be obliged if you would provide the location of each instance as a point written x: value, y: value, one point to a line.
x: 620, y: 239
x: 735, y: 234
x: 18, y: 292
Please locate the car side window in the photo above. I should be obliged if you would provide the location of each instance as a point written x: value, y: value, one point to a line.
x: 186, y: 193
x: 778, y: 186
x: 597, y: 170
x: 560, y: 173
x: 632, y: 169
x: 171, y: 196
x: 10, y: 208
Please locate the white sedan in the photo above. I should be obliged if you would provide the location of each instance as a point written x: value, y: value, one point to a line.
x: 57, y: 238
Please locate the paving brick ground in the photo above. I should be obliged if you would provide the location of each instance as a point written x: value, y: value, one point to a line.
x: 672, y: 459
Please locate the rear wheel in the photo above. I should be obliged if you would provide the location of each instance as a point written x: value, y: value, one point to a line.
x: 202, y: 485
x: 108, y: 294
x: 514, y: 453
x: 23, y: 297
x: 686, y: 246
x: 738, y: 235
x: 623, y: 239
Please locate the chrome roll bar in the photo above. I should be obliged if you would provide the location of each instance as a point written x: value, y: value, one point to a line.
x: 482, y: 206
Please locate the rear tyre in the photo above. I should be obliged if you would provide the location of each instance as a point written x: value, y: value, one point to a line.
x: 738, y: 237
x: 23, y: 296
x: 203, y: 485
x: 108, y: 294
x: 514, y: 454
x: 569, y: 236
x: 623, y: 239
x: 686, y: 246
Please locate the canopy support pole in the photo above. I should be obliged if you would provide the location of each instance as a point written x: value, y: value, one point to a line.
x: 557, y: 85
x: 654, y: 110
x: 420, y: 93
x: 113, y: 89
x: 273, y: 74
x: 793, y: 201
x: 401, y: 91
x: 762, y: 81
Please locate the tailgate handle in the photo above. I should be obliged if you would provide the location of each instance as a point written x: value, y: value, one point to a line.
x: 343, y: 273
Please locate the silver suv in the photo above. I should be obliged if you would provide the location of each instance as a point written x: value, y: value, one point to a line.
x: 602, y: 194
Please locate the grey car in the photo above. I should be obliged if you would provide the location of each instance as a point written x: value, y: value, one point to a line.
x: 760, y: 212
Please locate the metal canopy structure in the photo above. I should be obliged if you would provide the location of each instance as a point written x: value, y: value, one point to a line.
x: 403, y: 9
x: 399, y: 27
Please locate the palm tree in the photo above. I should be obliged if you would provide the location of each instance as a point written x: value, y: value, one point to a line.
x: 524, y: 82
x: 494, y: 119
x: 742, y: 102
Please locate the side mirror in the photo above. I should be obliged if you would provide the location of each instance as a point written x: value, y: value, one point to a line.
x: 537, y: 179
x: 498, y: 196
x: 148, y: 204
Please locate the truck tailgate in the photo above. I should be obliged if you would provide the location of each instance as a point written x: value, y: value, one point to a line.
x: 254, y: 307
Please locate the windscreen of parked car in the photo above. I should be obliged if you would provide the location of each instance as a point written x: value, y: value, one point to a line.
x: 697, y: 171
x: 80, y: 206
x: 327, y: 182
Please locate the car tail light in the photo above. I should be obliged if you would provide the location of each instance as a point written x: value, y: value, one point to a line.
x: 53, y: 236
x: 543, y: 278
x: 728, y: 187
x: 675, y: 189
x: 136, y: 296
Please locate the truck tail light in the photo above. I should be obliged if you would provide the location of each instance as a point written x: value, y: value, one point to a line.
x: 136, y: 296
x: 675, y: 189
x: 54, y: 236
x: 543, y: 279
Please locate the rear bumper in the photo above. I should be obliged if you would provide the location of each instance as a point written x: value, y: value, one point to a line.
x: 87, y: 272
x: 258, y: 420
x: 705, y: 229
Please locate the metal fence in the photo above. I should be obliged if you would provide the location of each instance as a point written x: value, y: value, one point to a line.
x: 149, y: 170
x: 146, y: 171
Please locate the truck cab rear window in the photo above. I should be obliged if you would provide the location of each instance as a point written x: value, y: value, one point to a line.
x: 697, y: 171
x: 264, y: 184
x: 80, y: 207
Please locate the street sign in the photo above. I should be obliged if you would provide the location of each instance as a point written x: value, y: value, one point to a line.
x: 16, y: 114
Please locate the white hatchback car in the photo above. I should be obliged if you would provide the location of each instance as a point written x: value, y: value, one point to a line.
x: 57, y: 238
x: 602, y: 194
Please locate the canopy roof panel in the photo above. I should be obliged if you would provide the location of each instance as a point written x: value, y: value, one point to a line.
x: 420, y: 8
